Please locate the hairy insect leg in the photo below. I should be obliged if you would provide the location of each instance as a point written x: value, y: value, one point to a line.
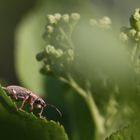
x: 31, y: 102
x: 23, y: 102
x: 31, y: 107
x: 40, y: 114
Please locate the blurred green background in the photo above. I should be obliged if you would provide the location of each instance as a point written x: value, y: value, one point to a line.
x: 22, y: 24
x: 12, y: 12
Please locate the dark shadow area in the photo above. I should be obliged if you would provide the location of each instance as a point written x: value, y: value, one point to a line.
x: 11, y: 12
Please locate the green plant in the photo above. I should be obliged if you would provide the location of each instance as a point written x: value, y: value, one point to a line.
x: 94, y: 78
x: 61, y: 58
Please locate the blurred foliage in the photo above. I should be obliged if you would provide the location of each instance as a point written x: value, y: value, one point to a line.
x: 28, y: 40
x: 23, y: 125
x: 11, y: 12
x: 130, y: 132
x: 29, y: 36
x: 101, y: 81
x: 80, y: 120
x: 94, y: 68
x: 100, y: 86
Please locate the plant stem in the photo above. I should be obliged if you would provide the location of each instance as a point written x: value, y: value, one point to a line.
x: 96, y: 116
x: 66, y: 37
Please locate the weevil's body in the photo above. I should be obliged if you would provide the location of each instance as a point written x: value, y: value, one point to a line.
x: 27, y: 96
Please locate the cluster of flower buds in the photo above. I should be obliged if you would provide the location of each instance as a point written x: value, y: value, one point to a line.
x: 132, y: 33
x: 59, y: 27
x: 135, y: 20
x: 104, y: 23
x: 56, y: 18
x: 59, y: 51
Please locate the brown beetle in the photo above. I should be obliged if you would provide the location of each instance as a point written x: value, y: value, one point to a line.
x: 26, y: 96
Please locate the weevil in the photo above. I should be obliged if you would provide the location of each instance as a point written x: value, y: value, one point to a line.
x: 27, y: 96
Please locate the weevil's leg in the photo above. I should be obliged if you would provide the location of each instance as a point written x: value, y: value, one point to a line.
x: 23, y: 102
x: 40, y: 114
x: 31, y: 106
x: 31, y: 102
x: 14, y: 96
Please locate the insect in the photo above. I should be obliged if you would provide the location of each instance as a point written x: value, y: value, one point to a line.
x: 18, y: 93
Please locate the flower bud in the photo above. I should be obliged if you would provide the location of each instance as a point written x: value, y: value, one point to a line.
x: 50, y: 49
x: 71, y: 55
x: 71, y: 52
x: 65, y: 18
x: 57, y: 16
x: 50, y: 29
x: 137, y: 14
x: 105, y: 22
x: 132, y: 32
x: 135, y: 20
x: 123, y: 36
x: 51, y: 19
x: 75, y: 16
x: 40, y: 56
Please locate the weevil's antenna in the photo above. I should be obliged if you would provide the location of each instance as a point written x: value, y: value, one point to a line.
x: 55, y: 109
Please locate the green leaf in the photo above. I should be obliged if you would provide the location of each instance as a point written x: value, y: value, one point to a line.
x: 23, y: 125
x: 130, y: 132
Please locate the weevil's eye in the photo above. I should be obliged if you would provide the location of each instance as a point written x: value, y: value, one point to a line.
x: 38, y: 101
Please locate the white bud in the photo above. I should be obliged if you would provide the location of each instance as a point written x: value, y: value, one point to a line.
x: 123, y: 36
x: 50, y: 49
x: 132, y: 32
x: 137, y: 14
x: 71, y: 55
x: 52, y: 19
x: 65, y: 18
x: 71, y: 52
x: 75, y: 16
x: 105, y: 22
x: 57, y: 16
x: 50, y: 29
